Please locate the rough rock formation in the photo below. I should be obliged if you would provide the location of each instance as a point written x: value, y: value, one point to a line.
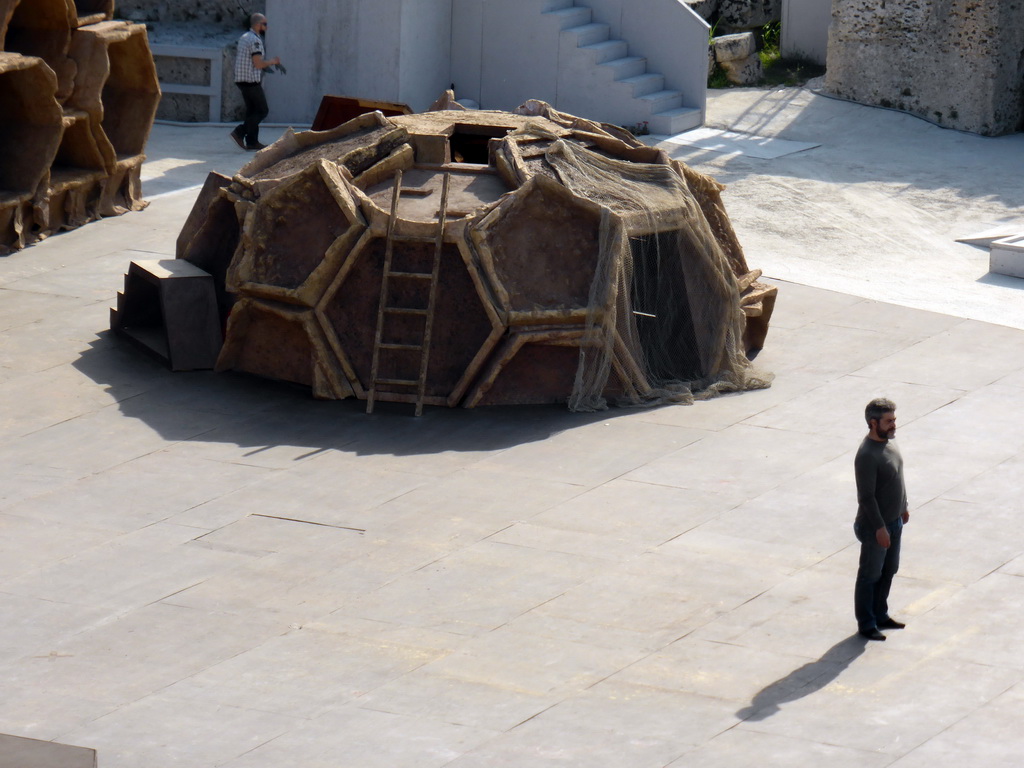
x: 737, y: 55
x: 78, y: 94
x: 573, y: 264
x: 747, y: 14
x: 228, y: 12
x: 958, y: 63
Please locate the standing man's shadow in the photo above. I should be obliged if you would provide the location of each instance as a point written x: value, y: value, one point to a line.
x: 808, y: 679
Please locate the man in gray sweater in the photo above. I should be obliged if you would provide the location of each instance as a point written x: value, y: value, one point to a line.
x: 881, y: 513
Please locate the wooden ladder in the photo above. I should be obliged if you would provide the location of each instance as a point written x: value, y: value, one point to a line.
x: 384, y: 310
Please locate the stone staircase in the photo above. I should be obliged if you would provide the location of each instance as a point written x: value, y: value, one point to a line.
x: 599, y: 78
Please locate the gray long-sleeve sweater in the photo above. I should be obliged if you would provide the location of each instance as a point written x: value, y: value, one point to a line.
x: 881, y: 492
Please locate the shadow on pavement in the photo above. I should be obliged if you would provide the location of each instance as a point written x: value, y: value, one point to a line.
x: 808, y: 679
x: 252, y: 412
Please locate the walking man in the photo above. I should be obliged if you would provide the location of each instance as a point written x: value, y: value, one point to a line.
x: 249, y: 66
x: 881, y: 514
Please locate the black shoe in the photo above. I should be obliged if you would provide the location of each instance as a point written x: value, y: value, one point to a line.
x: 871, y: 634
x: 255, y: 147
x: 237, y: 139
x: 890, y: 623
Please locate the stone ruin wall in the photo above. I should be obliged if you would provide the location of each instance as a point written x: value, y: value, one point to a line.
x: 957, y: 63
x: 228, y: 12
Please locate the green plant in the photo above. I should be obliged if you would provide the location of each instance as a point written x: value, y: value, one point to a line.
x: 770, y: 36
x: 718, y: 78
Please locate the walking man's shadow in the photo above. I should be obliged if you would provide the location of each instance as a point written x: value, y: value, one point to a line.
x: 808, y: 679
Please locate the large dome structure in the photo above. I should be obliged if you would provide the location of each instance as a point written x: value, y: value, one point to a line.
x: 472, y: 258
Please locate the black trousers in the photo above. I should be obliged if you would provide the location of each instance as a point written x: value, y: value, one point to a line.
x: 255, y: 110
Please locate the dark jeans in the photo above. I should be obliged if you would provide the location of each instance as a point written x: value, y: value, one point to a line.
x: 255, y: 110
x: 874, y: 576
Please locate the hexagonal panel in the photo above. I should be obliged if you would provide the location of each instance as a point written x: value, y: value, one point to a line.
x: 43, y: 28
x: 116, y: 85
x: 215, y: 242
x: 539, y: 248
x: 32, y: 122
x: 466, y: 327
x: 537, y: 366
x: 297, y: 236
x: 281, y: 343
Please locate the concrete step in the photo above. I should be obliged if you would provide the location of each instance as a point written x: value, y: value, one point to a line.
x: 626, y: 67
x: 673, y: 121
x: 571, y: 16
x: 648, y: 82
x: 662, y: 101
x: 606, y: 50
x: 588, y: 34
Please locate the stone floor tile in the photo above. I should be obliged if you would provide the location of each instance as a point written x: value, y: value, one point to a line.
x: 31, y: 626
x: 304, y: 672
x: 996, y: 487
x: 740, y: 461
x: 993, y: 408
x: 640, y: 515
x: 837, y: 407
x: 955, y: 546
x: 161, y: 730
x: 799, y: 305
x: 152, y: 488
x: 891, y: 318
x: 28, y: 544
x: 594, y: 453
x: 740, y: 746
x: 610, y: 725
x: 120, y: 660
x: 440, y: 699
x: 991, y: 734
x: 476, y: 589
x: 366, y: 738
x: 531, y: 663
x: 953, y: 358
x: 131, y: 570
x: 831, y: 351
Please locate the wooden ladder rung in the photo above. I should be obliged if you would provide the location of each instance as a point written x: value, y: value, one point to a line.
x: 412, y: 275
x: 404, y: 311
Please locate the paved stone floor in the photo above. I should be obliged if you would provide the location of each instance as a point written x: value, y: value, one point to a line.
x: 204, y: 570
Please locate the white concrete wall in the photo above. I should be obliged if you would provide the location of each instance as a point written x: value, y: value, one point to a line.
x: 425, y: 52
x: 504, y: 52
x: 318, y: 45
x: 805, y: 29
x: 393, y: 50
x: 467, y: 48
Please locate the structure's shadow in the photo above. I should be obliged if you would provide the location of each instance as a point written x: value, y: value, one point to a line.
x: 1003, y: 281
x: 258, y: 413
x: 808, y: 679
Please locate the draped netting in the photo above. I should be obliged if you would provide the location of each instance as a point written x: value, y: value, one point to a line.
x: 664, y: 310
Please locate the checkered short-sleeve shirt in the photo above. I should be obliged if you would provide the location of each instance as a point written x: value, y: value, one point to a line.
x: 249, y: 45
